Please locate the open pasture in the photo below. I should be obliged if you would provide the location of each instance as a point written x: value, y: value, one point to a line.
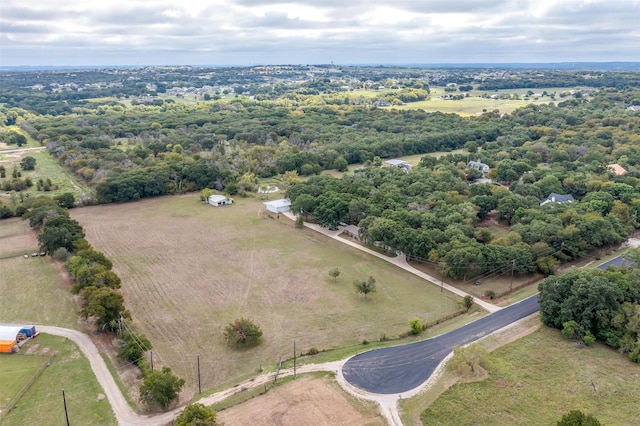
x: 188, y: 269
x: 42, y: 403
x: 538, y: 379
x: 32, y: 289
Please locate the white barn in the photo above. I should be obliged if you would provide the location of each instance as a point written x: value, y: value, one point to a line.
x: 219, y: 200
x: 278, y: 206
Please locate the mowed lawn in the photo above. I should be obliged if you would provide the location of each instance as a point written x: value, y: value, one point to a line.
x: 32, y: 289
x: 189, y: 269
x: 42, y: 403
x: 538, y: 379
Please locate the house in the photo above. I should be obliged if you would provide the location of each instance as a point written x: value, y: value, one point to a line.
x: 382, y: 103
x: 398, y: 163
x: 353, y: 231
x: 557, y: 199
x: 617, y: 169
x: 278, y: 206
x: 484, y: 168
x: 219, y: 200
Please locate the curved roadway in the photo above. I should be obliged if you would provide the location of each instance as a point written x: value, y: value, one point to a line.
x: 402, y: 368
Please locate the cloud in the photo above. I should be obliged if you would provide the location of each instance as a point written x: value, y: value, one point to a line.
x: 316, y: 31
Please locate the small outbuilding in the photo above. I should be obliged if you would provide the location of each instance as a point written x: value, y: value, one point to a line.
x: 10, y: 334
x: 278, y: 206
x: 617, y: 169
x: 219, y: 200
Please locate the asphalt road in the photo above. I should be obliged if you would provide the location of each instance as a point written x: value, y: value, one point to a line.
x: 402, y: 368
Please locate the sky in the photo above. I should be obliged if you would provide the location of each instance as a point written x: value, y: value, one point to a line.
x: 253, y: 32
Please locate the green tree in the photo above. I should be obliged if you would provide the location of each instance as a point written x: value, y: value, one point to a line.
x: 365, y: 287
x: 467, y: 359
x: 59, y: 231
x: 467, y: 302
x: 196, y: 415
x: 205, y: 194
x: 160, y: 388
x: 573, y: 330
x: 28, y: 163
x: 66, y: 200
x: 415, y: 326
x: 334, y: 273
x: 135, y: 345
x: 243, y: 333
x: 578, y: 418
x: 104, y: 304
x: 340, y: 164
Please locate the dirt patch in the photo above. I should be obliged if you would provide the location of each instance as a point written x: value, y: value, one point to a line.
x: 305, y: 401
x: 33, y: 349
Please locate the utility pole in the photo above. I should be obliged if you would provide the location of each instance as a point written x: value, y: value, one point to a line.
x: 513, y: 268
x: 199, y: 385
x: 120, y: 325
x: 294, y: 358
x: 64, y: 401
x: 151, y: 360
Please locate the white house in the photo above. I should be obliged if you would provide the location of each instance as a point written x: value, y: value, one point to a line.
x: 219, y: 200
x: 278, y: 206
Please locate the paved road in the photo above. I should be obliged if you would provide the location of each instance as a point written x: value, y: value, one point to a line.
x: 402, y: 368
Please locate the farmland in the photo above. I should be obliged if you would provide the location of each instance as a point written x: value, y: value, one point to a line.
x: 188, y: 269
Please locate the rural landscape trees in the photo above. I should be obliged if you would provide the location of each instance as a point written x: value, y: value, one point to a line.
x: 365, y: 287
x: 196, y: 415
x: 242, y: 333
x: 602, y: 305
x: 563, y: 184
x: 160, y: 388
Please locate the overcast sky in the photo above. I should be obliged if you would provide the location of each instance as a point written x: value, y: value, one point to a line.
x: 246, y: 32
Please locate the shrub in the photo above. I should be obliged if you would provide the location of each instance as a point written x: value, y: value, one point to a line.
x: 242, y: 332
x: 490, y: 294
x: 416, y: 326
x: 313, y: 351
x: 61, y: 253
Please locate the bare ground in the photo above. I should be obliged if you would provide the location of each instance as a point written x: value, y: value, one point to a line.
x: 315, y: 401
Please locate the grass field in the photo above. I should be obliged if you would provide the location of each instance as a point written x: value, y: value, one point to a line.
x: 538, y: 379
x: 32, y: 289
x: 15, y: 372
x: 188, y: 269
x: 42, y: 403
x: 46, y: 168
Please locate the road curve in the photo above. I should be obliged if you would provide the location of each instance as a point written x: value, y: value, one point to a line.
x: 124, y: 414
x: 400, y: 369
